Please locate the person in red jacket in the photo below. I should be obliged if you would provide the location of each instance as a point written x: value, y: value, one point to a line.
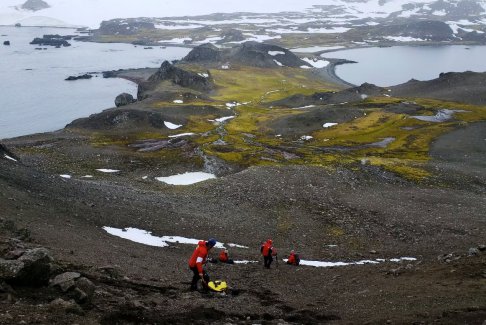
x: 197, y: 260
x: 268, y: 251
x: 224, y: 257
x: 294, y: 259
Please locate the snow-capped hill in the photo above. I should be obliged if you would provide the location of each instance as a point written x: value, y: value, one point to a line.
x: 92, y: 12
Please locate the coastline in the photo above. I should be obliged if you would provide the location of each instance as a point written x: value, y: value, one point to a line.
x: 328, y: 73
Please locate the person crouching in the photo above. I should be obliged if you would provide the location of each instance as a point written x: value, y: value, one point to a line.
x: 224, y: 257
x: 197, y: 260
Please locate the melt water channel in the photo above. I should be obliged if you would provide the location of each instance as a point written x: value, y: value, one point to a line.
x: 34, y: 94
x: 389, y: 66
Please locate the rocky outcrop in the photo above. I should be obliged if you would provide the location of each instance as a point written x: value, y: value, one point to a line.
x: 467, y: 87
x: 5, y: 153
x: 35, y: 5
x: 124, y: 99
x: 6, y: 43
x: 232, y: 35
x: 124, y: 26
x: 52, y: 40
x: 204, y: 53
x: 428, y: 30
x: 249, y: 53
x: 177, y: 76
x: 84, y: 76
x: 32, y: 268
x: 74, y: 285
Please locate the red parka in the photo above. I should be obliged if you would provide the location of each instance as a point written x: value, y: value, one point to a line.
x: 199, y: 256
x: 291, y: 259
x: 267, y: 248
x: 223, y: 256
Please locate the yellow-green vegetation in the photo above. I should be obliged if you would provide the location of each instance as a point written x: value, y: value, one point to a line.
x: 263, y: 85
x: 250, y: 138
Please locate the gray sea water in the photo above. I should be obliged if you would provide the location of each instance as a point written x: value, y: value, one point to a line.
x: 388, y: 66
x: 34, y: 97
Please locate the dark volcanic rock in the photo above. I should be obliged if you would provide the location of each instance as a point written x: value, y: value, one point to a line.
x: 35, y: 5
x: 5, y: 152
x: 124, y: 26
x: 467, y: 87
x: 204, y: 53
x: 32, y: 268
x: 120, y: 119
x: 178, y: 76
x: 424, y: 29
x: 258, y: 55
x: 6, y: 43
x: 52, y: 40
x: 84, y: 76
x: 124, y: 99
x: 249, y: 53
x: 233, y: 35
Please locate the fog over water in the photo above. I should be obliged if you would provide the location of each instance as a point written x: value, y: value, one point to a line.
x: 35, y: 96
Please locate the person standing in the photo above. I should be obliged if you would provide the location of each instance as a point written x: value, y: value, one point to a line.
x: 197, y: 260
x: 268, y: 251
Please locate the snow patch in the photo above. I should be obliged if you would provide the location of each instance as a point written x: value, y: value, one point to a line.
x: 273, y: 53
x: 362, y: 262
x: 104, y: 170
x: 172, y: 126
x: 328, y: 125
x: 145, y: 237
x: 222, y: 119
x: 404, y: 39
x: 181, y: 135
x: 306, y: 137
x: 316, y: 63
x: 9, y: 158
x: 66, y: 176
x: 278, y: 63
x: 186, y: 178
x: 178, y: 101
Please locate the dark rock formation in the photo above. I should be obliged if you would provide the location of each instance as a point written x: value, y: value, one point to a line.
x: 124, y: 99
x: 178, y: 76
x: 5, y: 152
x: 249, y: 53
x: 84, y: 76
x: 32, y: 268
x: 6, y: 43
x: 124, y: 26
x: 423, y: 29
x: 53, y: 40
x: 232, y: 35
x: 204, y: 53
x: 468, y: 87
x: 35, y: 5
x: 120, y: 119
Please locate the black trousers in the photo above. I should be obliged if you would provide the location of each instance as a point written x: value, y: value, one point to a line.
x: 267, y: 260
x: 196, y: 277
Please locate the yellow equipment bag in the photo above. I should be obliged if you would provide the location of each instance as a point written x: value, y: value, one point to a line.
x: 217, y: 285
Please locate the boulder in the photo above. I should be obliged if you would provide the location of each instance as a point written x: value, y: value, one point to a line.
x: 32, y: 268
x: 473, y: 251
x: 6, y: 43
x: 124, y: 99
x: 65, y: 281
